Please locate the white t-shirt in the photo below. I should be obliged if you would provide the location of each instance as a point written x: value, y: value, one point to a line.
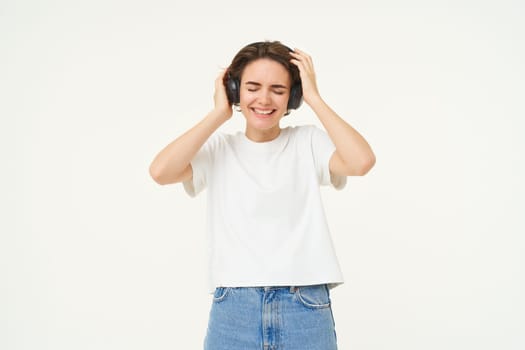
x: 266, y: 224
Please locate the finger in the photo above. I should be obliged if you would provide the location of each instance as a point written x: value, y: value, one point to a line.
x: 301, y: 56
x: 298, y: 55
x: 302, y: 53
x: 223, y: 71
x: 302, y: 65
x: 305, y: 56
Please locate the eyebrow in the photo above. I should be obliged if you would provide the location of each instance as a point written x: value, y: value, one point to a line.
x: 273, y: 85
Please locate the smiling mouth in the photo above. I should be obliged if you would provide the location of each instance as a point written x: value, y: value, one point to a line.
x: 263, y: 113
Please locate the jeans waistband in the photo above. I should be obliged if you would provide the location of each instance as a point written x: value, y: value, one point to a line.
x: 291, y: 289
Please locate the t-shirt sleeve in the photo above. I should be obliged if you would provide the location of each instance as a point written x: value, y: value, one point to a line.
x: 322, y: 150
x: 201, y: 166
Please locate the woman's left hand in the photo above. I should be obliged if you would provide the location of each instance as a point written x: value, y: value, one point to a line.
x: 306, y: 68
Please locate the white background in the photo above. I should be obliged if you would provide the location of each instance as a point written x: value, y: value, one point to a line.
x: 95, y: 255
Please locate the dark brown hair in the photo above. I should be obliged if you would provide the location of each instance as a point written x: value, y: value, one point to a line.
x: 273, y: 50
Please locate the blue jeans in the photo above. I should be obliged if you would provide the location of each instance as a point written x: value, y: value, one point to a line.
x: 271, y: 318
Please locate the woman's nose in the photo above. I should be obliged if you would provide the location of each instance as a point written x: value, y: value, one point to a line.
x: 264, y: 97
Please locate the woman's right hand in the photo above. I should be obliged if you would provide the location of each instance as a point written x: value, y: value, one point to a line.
x: 222, y: 105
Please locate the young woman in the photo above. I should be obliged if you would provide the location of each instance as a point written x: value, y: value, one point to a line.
x: 271, y: 258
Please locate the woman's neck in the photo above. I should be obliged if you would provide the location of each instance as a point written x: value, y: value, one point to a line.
x: 263, y: 135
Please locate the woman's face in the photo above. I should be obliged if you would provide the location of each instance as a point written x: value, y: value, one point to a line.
x: 264, y: 92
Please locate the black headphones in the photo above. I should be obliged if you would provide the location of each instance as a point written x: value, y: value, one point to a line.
x: 233, y: 91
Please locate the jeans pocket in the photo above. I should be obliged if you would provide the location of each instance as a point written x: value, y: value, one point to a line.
x: 220, y: 294
x: 313, y: 297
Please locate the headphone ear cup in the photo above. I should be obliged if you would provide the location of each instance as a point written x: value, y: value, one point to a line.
x: 296, y: 96
x: 232, y: 90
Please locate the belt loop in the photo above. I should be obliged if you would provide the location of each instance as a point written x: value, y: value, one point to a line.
x: 293, y: 289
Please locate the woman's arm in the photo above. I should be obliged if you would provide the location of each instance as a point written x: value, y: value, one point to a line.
x: 172, y: 164
x: 353, y: 154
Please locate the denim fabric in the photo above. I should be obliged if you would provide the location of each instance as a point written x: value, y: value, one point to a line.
x: 271, y: 318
